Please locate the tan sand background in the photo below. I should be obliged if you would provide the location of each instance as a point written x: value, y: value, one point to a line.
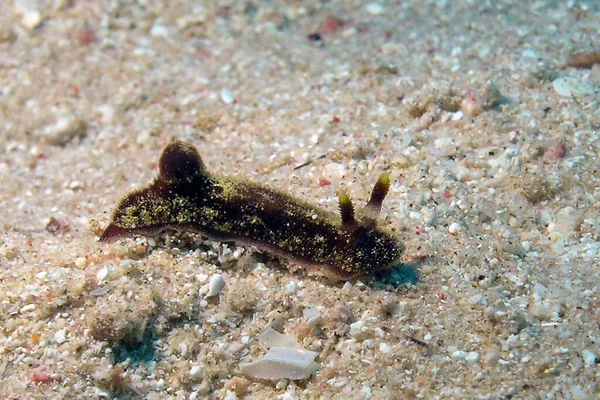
x: 491, y: 142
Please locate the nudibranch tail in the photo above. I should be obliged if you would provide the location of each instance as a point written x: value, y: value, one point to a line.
x: 112, y: 231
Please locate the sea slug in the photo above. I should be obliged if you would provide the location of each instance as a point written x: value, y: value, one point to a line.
x: 186, y: 197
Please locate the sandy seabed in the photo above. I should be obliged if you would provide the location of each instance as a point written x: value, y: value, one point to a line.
x: 490, y: 137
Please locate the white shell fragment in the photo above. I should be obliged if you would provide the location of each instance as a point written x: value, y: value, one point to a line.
x: 281, y: 363
x: 216, y: 284
x: 285, y: 359
x: 566, y: 86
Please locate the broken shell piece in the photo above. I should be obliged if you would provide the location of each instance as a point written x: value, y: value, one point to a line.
x: 281, y: 363
x: 285, y: 359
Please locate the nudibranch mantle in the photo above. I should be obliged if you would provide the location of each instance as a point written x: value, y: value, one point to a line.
x: 186, y: 197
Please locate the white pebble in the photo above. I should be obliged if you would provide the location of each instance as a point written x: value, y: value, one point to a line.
x: 460, y: 354
x: 414, y: 215
x: 375, y: 9
x: 310, y: 313
x: 160, y: 385
x: 454, y: 227
x: 589, y: 358
x: 357, y: 327
x: 28, y: 307
x: 65, y: 129
x: 367, y: 392
x: 479, y: 299
x: 107, y: 113
x: 385, y: 348
x: 227, y: 96
x: 196, y: 371
x: 290, y: 288
x: 41, y: 275
x: 282, y: 384
x: 60, y: 336
x: 31, y: 19
x: 333, y: 172
x: 80, y: 262
x: 442, y: 142
x: 216, y: 284
x: 102, y: 274
x: 472, y: 357
x: 159, y: 31
x: 183, y: 348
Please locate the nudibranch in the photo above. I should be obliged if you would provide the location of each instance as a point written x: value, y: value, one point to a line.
x: 187, y: 197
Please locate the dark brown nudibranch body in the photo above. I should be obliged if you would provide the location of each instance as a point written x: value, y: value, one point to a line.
x: 186, y: 197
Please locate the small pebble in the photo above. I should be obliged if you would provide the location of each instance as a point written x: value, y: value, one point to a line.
x: 65, y: 130
x: 282, y: 384
x: 41, y: 275
x: 375, y: 9
x: 238, y: 385
x: 28, y: 307
x: 366, y: 391
x: 227, y: 96
x: 472, y: 104
x: 589, y: 358
x: 196, y: 372
x: 454, y: 227
x: 159, y: 31
x: 102, y: 274
x: 460, y: 354
x: 60, y: 336
x: 333, y: 172
x: 385, y: 348
x: 472, y: 357
x: 290, y: 288
x: 216, y: 284
x: 31, y: 19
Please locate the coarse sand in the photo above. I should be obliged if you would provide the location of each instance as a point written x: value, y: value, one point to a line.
x: 485, y: 113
